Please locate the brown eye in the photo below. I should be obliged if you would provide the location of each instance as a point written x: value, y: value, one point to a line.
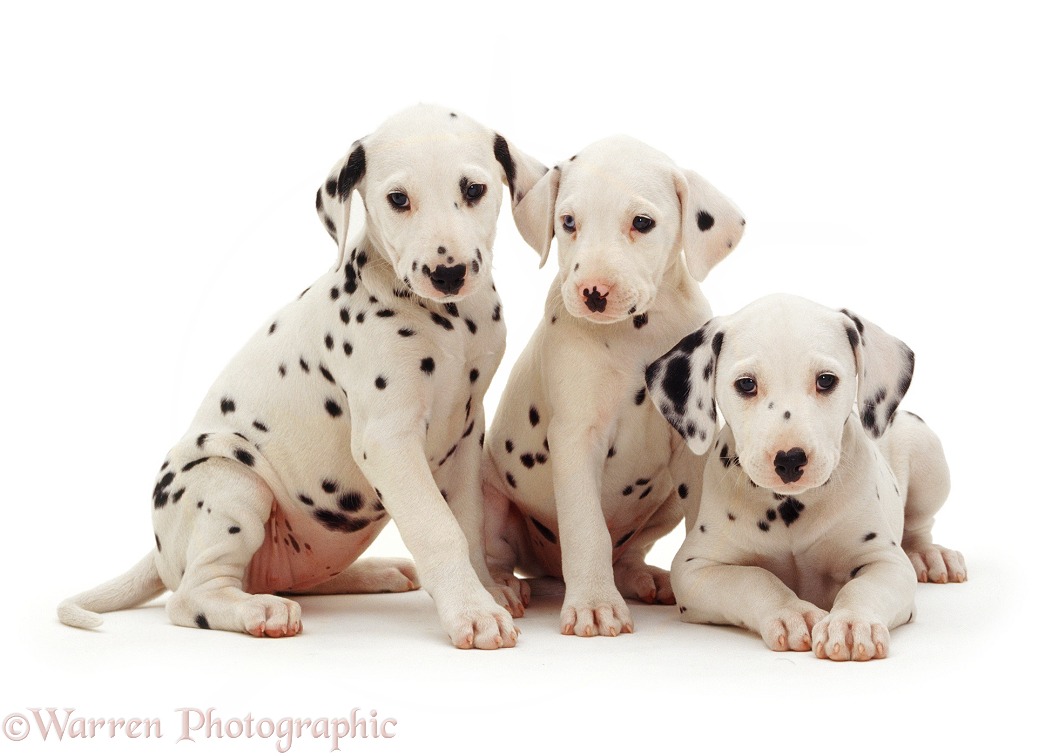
x: 826, y: 382
x: 642, y: 223
x: 398, y: 200
x: 473, y: 192
x: 746, y: 386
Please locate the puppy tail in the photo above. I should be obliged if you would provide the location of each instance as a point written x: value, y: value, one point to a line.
x: 138, y: 584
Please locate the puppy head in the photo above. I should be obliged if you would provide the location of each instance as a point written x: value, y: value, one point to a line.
x: 431, y: 181
x: 623, y: 212
x: 786, y: 374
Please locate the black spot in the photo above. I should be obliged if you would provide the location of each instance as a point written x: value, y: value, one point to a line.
x: 362, y: 259
x: 855, y: 572
x: 470, y: 325
x: 640, y: 320
x: 405, y: 332
x: 732, y: 517
x: 352, y: 172
x: 640, y: 396
x: 703, y: 528
x: 295, y: 543
x: 535, y: 418
x: 441, y: 321
x: 474, y: 375
x: 716, y: 343
x: 380, y: 383
x: 790, y: 510
x: 610, y: 452
x: 193, y: 463
x: 200, y: 503
x: 226, y: 405
x: 234, y: 530
x: 708, y: 370
x: 683, y: 490
x: 496, y: 315
x: 469, y: 430
x: 786, y: 415
x: 771, y: 515
x: 348, y: 348
x: 503, y: 156
x: 627, y: 491
x: 508, y: 446
x: 334, y: 292
x: 158, y: 543
x: 281, y: 370
x: 305, y: 499
x: 511, y: 480
x: 344, y: 315
x: 544, y: 530
x: 244, y: 457
x: 645, y: 493
x: 853, y: 337
x: 704, y: 220
x: 540, y: 458
x: 869, y: 537
x: 724, y: 456
x: 332, y: 408
x: 385, y: 313
x: 452, y: 309
x: 350, y: 502
x: 427, y: 365
x: 273, y: 327
x: 177, y: 494
x: 676, y: 384
x: 326, y: 374
x: 763, y: 525
x: 527, y: 460
x: 858, y: 323
x: 201, y: 440
x: 625, y: 538
x: 360, y: 317
x: 303, y: 365
x: 340, y: 522
x: 161, y: 495
x: 201, y: 621
x: 329, y: 486
x: 260, y: 426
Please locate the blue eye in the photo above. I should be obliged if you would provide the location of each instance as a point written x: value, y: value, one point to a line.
x: 569, y: 224
x: 826, y: 382
x: 398, y: 200
x: 643, y: 223
x: 746, y: 386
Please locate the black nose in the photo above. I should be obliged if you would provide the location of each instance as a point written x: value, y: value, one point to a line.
x: 789, y: 464
x: 448, y: 280
x: 595, y: 301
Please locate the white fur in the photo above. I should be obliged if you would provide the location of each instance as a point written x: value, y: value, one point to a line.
x: 581, y: 474
x: 361, y: 399
x: 823, y: 554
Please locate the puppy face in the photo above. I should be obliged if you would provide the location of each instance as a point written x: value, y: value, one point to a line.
x: 431, y: 182
x: 622, y: 213
x: 786, y: 374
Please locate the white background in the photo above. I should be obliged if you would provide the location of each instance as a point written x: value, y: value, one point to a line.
x: 157, y: 173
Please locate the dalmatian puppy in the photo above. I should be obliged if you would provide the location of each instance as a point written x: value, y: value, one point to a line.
x: 361, y: 400
x: 581, y: 475
x: 815, y: 521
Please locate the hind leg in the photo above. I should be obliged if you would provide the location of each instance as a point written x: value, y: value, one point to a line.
x: 634, y: 578
x: 511, y: 592
x: 222, y: 536
x: 916, y: 455
x: 374, y: 575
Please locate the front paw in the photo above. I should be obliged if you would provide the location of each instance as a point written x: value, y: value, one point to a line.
x: 641, y: 581
x: 790, y: 628
x: 595, y: 612
x: 482, y: 624
x: 844, y: 636
x: 936, y: 564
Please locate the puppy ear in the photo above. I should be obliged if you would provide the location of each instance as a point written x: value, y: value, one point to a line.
x: 526, y: 178
x: 682, y: 385
x: 333, y: 197
x: 711, y: 224
x: 885, y: 369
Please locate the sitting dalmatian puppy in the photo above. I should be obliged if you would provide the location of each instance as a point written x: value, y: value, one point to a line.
x: 359, y: 401
x: 581, y: 474
x: 815, y: 522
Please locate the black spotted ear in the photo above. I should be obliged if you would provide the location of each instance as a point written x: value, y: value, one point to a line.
x: 334, y: 196
x: 885, y: 369
x: 525, y: 178
x: 712, y: 225
x: 681, y: 385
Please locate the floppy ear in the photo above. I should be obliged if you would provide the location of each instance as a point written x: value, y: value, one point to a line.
x: 525, y: 177
x: 681, y: 385
x: 333, y: 197
x: 885, y: 368
x: 711, y: 224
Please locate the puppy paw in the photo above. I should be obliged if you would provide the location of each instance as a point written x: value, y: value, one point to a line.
x: 936, y: 564
x: 790, y: 628
x: 843, y: 636
x: 511, y: 592
x: 269, y: 616
x: 641, y: 581
x: 485, y: 626
x: 591, y: 613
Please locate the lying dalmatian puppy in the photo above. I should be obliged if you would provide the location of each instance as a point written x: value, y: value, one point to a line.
x: 581, y: 474
x: 815, y: 522
x: 361, y: 399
